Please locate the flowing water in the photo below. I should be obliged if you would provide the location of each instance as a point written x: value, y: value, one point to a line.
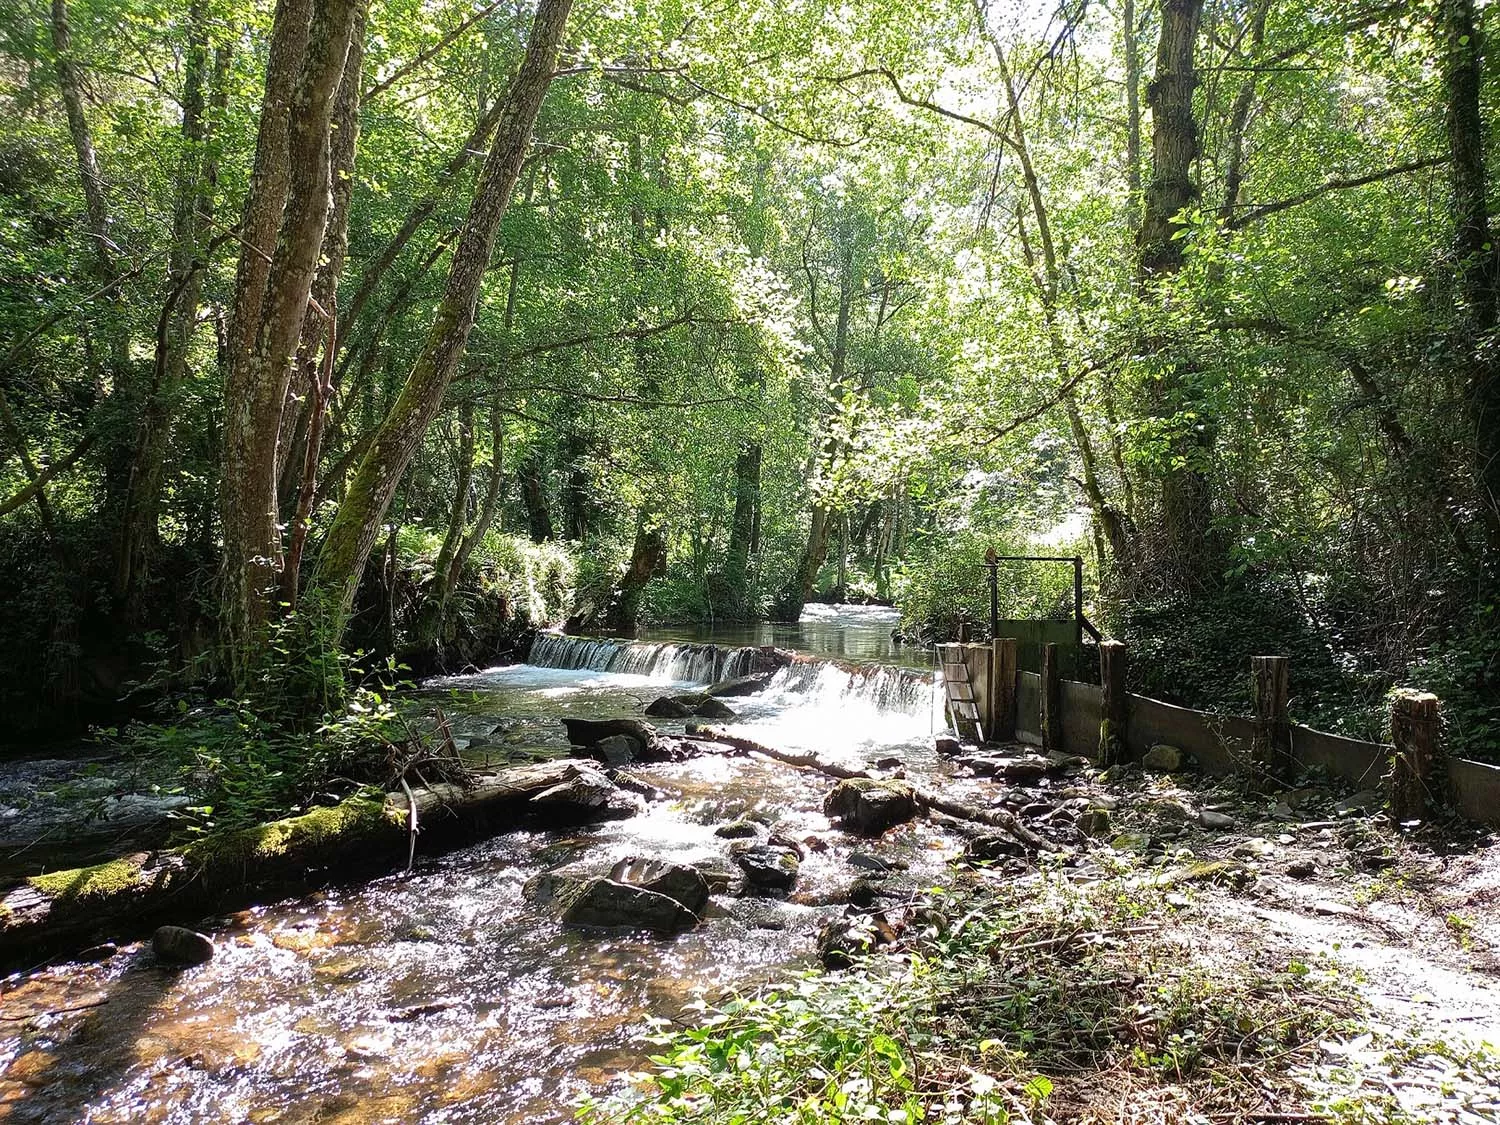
x: 446, y: 996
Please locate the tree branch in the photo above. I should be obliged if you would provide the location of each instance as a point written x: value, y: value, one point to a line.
x: 1262, y: 210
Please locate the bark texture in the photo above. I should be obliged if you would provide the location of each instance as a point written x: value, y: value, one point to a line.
x: 256, y: 384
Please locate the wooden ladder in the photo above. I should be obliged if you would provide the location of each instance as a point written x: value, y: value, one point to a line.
x: 962, y: 708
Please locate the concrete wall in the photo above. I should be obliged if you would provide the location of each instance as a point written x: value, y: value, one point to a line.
x: 1083, y: 709
x: 1029, y: 704
x: 1475, y: 790
x: 1214, y: 741
x: 1360, y: 763
x: 1219, y: 742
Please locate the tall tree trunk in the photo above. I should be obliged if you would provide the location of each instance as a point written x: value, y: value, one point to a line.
x: 1048, y: 279
x: 357, y: 524
x: 192, y: 209
x: 271, y: 172
x: 1191, y: 548
x: 1174, y: 140
x: 815, y: 553
x: 747, y: 469
x: 1477, y: 259
x: 1132, y: 116
x: 96, y: 202
x: 256, y: 383
x: 315, y: 378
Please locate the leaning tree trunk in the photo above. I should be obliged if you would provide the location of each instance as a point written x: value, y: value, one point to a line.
x: 357, y: 524
x: 256, y: 384
x: 646, y: 557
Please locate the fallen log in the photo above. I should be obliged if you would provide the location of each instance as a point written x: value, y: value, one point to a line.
x: 926, y: 799
x: 45, y: 913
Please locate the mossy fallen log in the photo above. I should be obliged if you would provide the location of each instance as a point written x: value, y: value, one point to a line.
x: 365, y: 832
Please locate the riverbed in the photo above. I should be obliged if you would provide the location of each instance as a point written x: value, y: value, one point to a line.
x: 446, y: 996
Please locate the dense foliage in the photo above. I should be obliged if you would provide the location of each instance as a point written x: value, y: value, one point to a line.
x: 330, y: 309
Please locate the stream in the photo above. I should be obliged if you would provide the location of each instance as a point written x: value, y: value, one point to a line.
x: 446, y: 996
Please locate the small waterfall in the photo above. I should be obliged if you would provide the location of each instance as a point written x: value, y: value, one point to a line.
x: 697, y: 663
x: 883, y: 688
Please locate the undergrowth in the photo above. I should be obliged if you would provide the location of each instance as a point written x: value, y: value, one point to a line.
x: 1045, y: 1001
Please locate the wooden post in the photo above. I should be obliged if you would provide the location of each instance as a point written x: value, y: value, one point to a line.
x: 1414, y: 730
x: 1113, y: 748
x: 1003, y: 690
x: 1052, y: 726
x: 1271, y: 747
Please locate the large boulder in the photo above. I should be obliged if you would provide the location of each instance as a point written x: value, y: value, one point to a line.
x: 588, y: 732
x: 689, y: 705
x: 869, y: 806
x: 605, y: 904
x: 675, y: 880
x: 769, y: 868
x: 1163, y: 759
x: 740, y: 685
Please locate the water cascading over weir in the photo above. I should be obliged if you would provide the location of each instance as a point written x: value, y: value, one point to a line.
x: 827, y: 682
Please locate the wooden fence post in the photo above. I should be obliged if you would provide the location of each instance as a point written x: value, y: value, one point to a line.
x: 1113, y: 748
x: 1271, y: 747
x: 1003, y: 690
x: 1414, y: 730
x: 1052, y: 741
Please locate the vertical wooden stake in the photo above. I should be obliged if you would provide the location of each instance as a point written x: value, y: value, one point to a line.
x: 1414, y: 730
x: 1003, y: 690
x: 1113, y: 748
x: 1271, y: 747
x: 1052, y: 741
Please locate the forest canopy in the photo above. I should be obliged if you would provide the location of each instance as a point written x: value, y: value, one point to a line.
x: 403, y: 326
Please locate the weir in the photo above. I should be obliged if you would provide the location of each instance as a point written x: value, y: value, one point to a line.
x: 824, y: 682
x: 667, y: 662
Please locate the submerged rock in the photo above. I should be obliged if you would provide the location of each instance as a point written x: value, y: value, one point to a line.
x: 769, y: 868
x: 738, y: 830
x: 739, y: 685
x: 675, y: 880
x: 712, y: 708
x: 668, y: 708
x: 178, y: 945
x: 868, y: 806
x: 992, y: 846
x: 606, y: 904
